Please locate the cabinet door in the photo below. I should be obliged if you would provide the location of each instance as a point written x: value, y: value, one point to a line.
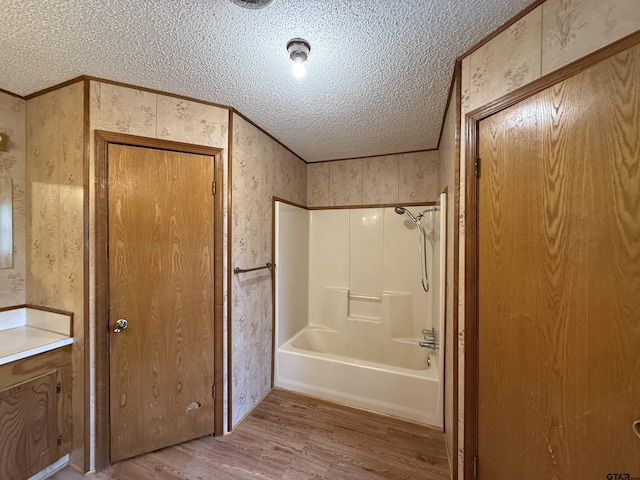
x: 28, y: 426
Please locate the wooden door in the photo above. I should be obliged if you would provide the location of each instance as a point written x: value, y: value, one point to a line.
x: 559, y: 280
x: 161, y: 282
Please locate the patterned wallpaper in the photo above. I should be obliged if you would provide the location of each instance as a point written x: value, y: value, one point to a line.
x: 446, y: 178
x: 403, y: 178
x: 55, y: 193
x: 261, y: 169
x: 12, y: 123
x: 551, y: 36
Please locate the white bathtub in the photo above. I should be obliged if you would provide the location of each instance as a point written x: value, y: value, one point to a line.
x: 388, y: 377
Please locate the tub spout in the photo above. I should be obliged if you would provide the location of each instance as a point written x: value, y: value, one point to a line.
x: 429, y: 344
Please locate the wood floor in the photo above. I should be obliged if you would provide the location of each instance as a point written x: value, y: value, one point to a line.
x: 290, y: 436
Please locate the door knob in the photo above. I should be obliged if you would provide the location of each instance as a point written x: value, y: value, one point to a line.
x: 120, y: 325
x: 636, y: 428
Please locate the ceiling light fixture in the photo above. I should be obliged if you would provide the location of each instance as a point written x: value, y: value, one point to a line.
x: 253, y: 4
x: 298, y: 49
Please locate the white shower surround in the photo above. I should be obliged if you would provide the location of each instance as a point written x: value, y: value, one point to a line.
x: 349, y: 318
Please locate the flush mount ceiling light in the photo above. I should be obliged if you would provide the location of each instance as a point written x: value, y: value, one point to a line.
x: 298, y: 49
x: 253, y: 4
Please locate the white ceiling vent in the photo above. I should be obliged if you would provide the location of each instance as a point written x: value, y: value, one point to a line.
x: 253, y: 4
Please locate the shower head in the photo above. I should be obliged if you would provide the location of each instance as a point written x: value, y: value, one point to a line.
x: 402, y: 211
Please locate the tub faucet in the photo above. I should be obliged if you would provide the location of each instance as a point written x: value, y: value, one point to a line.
x: 431, y: 339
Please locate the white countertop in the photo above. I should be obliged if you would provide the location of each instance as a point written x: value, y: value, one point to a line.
x: 25, y: 332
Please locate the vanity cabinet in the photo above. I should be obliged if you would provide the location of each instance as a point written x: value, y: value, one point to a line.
x: 35, y: 413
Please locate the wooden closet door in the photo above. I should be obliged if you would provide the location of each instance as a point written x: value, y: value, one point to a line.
x: 559, y: 280
x: 160, y: 281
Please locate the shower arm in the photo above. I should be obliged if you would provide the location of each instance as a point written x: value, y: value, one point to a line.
x: 427, y: 210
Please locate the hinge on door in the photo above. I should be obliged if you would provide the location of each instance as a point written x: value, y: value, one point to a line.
x: 58, y: 387
x: 213, y: 390
x: 59, y: 440
x: 213, y: 188
x: 475, y: 467
x: 476, y: 167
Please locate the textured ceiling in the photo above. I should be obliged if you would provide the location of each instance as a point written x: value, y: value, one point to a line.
x: 377, y: 76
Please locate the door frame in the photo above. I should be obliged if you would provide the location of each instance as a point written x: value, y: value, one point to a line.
x: 471, y: 284
x: 101, y: 331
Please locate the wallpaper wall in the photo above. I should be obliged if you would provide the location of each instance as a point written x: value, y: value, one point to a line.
x: 261, y: 169
x: 388, y: 179
x: 447, y: 181
x: 55, y: 267
x: 550, y: 37
x: 12, y: 123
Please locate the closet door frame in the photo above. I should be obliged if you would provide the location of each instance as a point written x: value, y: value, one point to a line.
x: 102, y: 141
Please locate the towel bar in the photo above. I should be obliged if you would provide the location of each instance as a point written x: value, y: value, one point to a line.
x: 238, y: 270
